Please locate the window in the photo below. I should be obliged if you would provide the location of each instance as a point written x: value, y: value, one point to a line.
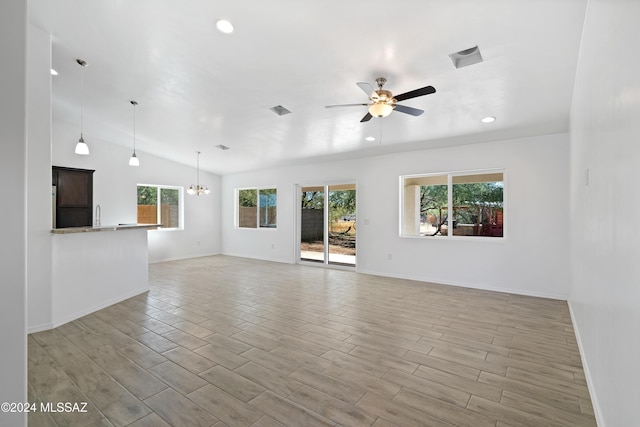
x: 257, y: 208
x: 475, y: 200
x: 160, y: 205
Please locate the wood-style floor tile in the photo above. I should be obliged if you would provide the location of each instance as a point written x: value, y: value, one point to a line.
x: 442, y: 410
x: 269, y: 379
x: 331, y: 408
x: 178, y: 377
x: 188, y: 359
x: 287, y: 412
x: 402, y: 415
x: 177, y: 410
x: 222, y: 341
x: 233, y: 412
x: 233, y: 383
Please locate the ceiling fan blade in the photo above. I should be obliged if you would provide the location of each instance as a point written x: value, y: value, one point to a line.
x: 415, y: 93
x: 366, y: 88
x: 345, y: 105
x: 366, y: 118
x: 408, y: 110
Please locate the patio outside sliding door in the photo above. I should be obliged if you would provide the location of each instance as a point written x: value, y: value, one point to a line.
x: 328, y: 224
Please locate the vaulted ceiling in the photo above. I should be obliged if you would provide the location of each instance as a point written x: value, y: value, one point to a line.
x: 198, y: 88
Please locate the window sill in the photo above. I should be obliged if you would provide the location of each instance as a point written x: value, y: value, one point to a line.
x: 458, y: 238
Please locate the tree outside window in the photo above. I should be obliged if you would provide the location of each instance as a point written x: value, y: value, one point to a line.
x: 477, y: 204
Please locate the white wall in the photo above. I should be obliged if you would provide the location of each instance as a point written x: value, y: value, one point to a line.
x: 532, y: 259
x: 13, y: 142
x: 114, y: 189
x: 39, y: 308
x: 605, y: 239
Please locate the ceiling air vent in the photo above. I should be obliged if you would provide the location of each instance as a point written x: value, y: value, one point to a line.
x: 222, y: 147
x: 466, y: 57
x: 280, y: 110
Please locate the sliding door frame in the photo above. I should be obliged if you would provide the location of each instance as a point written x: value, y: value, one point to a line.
x: 298, y: 225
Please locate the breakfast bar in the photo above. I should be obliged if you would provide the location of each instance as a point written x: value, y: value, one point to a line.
x: 94, y: 267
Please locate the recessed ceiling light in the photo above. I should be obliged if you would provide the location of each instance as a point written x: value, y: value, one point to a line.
x: 54, y: 72
x: 488, y: 119
x: 370, y: 138
x: 224, y: 26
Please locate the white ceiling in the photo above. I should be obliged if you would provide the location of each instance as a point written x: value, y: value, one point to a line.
x: 198, y: 88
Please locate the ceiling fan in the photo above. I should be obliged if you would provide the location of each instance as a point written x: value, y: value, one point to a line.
x: 382, y: 102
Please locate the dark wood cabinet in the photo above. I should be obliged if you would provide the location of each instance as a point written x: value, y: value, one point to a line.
x: 74, y: 196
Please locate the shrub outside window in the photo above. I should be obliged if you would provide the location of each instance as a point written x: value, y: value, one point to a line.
x: 160, y: 205
x: 453, y: 204
x: 257, y: 208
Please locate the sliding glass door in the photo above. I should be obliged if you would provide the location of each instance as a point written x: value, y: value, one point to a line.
x: 312, y: 224
x: 328, y: 224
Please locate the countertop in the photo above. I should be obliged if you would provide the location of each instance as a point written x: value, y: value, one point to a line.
x: 71, y: 230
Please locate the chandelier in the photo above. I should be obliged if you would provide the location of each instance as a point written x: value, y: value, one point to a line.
x: 197, y: 190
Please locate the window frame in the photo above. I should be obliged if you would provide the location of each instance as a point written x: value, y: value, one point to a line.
x: 449, y: 175
x: 159, y: 188
x: 257, y: 207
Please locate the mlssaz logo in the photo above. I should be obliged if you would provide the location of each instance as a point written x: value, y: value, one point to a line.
x: 63, y: 407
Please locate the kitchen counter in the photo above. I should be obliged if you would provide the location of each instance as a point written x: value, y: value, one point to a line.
x: 72, y: 230
x: 92, y: 270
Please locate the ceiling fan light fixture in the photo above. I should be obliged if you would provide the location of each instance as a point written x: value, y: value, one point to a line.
x: 382, y: 102
x: 380, y: 109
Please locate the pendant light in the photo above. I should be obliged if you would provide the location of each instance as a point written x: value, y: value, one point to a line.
x: 81, y: 147
x: 197, y: 189
x: 133, y: 161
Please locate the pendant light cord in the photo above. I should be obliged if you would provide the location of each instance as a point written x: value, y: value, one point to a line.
x: 198, y: 171
x: 81, y: 99
x: 134, y: 127
x: 82, y: 64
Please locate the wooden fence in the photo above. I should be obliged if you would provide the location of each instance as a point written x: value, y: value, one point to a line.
x: 148, y: 214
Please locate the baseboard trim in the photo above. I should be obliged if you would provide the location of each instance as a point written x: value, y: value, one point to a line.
x: 560, y: 297
x: 257, y: 258
x: 39, y: 328
x: 587, y: 373
x: 179, y: 258
x: 71, y: 317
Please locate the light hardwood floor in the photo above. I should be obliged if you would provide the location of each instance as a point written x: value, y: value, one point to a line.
x: 223, y: 341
